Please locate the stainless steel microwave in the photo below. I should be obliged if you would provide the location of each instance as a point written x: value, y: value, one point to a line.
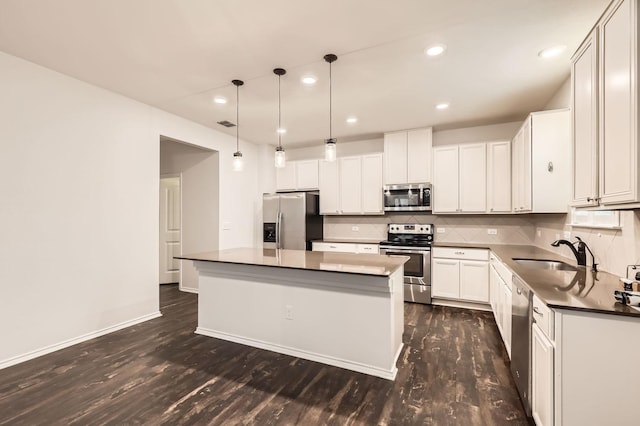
x: 410, y: 197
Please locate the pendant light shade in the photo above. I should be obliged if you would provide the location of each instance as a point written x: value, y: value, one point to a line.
x: 330, y: 144
x: 280, y: 158
x: 238, y: 163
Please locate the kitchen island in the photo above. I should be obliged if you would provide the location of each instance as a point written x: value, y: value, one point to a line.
x: 341, y: 309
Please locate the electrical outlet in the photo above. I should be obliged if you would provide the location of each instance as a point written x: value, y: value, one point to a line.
x: 441, y: 230
x: 355, y: 228
x: 492, y: 231
x: 567, y: 235
x: 288, y: 312
x: 539, y: 233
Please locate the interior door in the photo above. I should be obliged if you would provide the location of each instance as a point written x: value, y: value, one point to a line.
x: 169, y: 230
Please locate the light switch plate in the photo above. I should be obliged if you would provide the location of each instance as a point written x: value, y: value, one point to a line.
x: 492, y: 231
x: 355, y: 228
x: 567, y: 235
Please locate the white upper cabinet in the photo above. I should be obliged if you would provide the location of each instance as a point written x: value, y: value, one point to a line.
x: 460, y: 178
x: 541, y: 163
x: 584, y: 120
x: 351, y: 185
x: 445, y: 179
x: 297, y: 176
x: 473, y: 178
x: 605, y: 110
x: 499, y: 177
x: 407, y: 156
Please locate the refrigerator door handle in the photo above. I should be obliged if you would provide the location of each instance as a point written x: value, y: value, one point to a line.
x: 279, y: 230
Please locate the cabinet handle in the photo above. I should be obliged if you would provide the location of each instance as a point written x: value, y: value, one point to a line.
x: 536, y: 310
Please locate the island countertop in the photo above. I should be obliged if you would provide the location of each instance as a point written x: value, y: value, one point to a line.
x: 351, y: 263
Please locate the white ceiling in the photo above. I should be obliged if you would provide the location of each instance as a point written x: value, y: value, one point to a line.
x: 177, y: 55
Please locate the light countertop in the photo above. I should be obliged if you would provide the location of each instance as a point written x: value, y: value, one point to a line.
x: 577, y: 290
x: 350, y: 263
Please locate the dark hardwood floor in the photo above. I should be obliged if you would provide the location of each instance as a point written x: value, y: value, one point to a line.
x: 452, y: 371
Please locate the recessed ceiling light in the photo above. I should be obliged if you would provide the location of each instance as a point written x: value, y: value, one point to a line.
x: 281, y: 130
x: 309, y: 79
x: 442, y: 105
x: 220, y: 100
x: 435, y: 50
x: 551, y: 52
x: 352, y: 120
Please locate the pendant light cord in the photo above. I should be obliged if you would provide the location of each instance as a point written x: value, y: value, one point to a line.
x: 279, y: 115
x: 330, y: 103
x: 237, y: 118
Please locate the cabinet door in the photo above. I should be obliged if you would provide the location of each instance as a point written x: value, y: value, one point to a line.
x: 329, y: 189
x: 473, y: 178
x: 584, y: 110
x: 525, y: 183
x: 499, y: 177
x: 474, y: 280
x: 445, y: 278
x: 307, y: 174
x: 350, y: 175
x: 395, y: 158
x: 372, y: 184
x: 541, y: 378
x: 445, y: 179
x: 286, y: 177
x: 618, y: 114
x: 516, y: 172
x: 419, y: 144
x: 495, y: 294
x: 506, y: 317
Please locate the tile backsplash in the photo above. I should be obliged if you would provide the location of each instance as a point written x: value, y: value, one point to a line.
x: 613, y: 249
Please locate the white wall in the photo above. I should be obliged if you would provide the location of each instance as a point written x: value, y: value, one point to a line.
x: 490, y: 133
x: 562, y: 97
x: 80, y: 167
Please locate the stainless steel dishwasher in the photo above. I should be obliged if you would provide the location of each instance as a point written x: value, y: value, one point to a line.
x: 521, y: 341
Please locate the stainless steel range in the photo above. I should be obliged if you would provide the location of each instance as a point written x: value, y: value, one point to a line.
x: 413, y: 240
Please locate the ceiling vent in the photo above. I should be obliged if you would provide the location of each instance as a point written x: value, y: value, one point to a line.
x: 226, y: 123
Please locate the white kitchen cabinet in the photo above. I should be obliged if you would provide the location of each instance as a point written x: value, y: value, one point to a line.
x: 460, y: 178
x: 473, y: 178
x: 605, y: 77
x: 541, y: 378
x: 445, y: 180
x: 584, y: 121
x: 344, y: 247
x: 372, y: 184
x: 351, y: 185
x: 499, y: 177
x: 460, y: 274
x: 329, y: 187
x: 407, y: 156
x: 298, y: 176
x: 350, y: 175
x: 500, y: 284
x: 541, y: 163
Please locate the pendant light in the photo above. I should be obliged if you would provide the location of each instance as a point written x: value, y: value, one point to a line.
x: 238, y: 163
x: 280, y: 159
x: 330, y: 144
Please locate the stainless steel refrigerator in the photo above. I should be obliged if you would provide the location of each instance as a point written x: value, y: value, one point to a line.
x: 291, y: 220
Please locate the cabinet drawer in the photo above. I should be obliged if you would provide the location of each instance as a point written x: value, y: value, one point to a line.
x: 544, y: 317
x: 502, y: 270
x: 460, y: 253
x: 336, y: 247
x: 367, y: 248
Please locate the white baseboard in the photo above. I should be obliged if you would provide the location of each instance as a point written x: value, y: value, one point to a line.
x: 461, y: 304
x: 188, y: 289
x: 311, y: 356
x: 65, y: 344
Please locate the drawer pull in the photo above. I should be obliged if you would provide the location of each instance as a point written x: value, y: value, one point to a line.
x: 458, y: 252
x: 536, y: 310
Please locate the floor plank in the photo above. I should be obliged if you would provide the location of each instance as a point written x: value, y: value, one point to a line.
x: 452, y: 371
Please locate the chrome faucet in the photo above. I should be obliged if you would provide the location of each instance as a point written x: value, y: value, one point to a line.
x: 580, y: 253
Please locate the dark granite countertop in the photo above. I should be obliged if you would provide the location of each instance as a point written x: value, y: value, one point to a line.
x: 580, y: 290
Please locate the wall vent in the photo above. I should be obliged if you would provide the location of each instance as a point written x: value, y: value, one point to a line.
x: 226, y: 123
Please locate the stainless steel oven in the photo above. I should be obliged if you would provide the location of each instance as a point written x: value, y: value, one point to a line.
x: 413, y: 241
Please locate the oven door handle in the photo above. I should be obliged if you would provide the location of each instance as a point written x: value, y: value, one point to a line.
x: 400, y: 252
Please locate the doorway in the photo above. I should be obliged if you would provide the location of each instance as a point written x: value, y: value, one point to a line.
x: 170, y: 228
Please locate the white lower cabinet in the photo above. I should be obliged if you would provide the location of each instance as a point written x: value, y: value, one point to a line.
x: 541, y: 377
x: 460, y: 274
x: 500, y: 296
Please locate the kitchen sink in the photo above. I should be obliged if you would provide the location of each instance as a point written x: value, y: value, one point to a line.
x: 554, y: 265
